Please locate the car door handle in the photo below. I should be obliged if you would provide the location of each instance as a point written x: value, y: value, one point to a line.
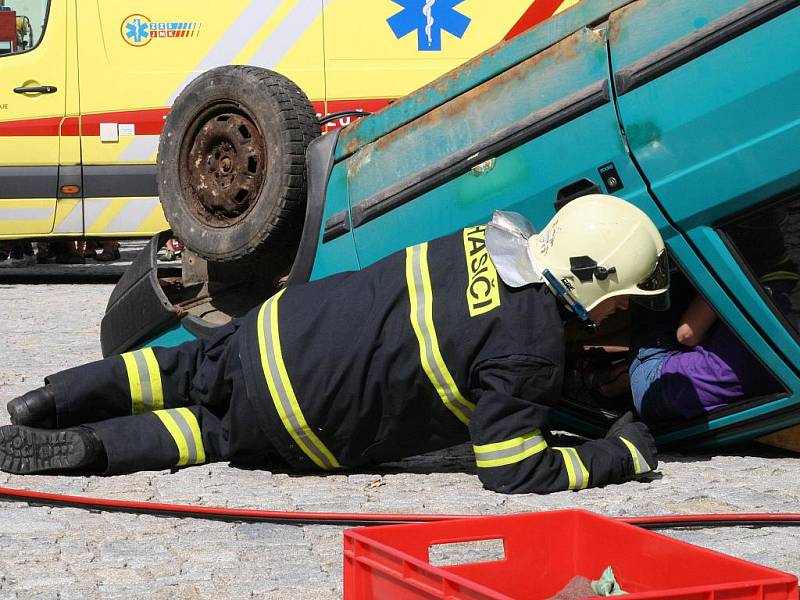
x: 576, y: 189
x: 40, y: 89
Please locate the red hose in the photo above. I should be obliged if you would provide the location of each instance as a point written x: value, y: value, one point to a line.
x: 360, y: 519
x: 216, y: 513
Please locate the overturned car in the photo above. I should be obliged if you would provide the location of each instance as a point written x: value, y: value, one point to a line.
x: 688, y: 110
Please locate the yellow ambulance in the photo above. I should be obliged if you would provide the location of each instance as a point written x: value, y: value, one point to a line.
x: 85, y: 86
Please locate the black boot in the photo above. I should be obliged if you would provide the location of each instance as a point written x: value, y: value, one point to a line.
x: 24, y: 450
x: 34, y: 408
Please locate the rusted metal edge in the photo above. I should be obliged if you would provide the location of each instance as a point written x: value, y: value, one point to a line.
x: 704, y: 40
x: 496, y: 60
x: 336, y: 226
x: 534, y: 125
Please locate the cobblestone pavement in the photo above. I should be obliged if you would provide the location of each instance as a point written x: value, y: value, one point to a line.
x: 50, y: 321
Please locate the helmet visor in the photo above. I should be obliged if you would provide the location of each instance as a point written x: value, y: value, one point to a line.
x: 655, y: 287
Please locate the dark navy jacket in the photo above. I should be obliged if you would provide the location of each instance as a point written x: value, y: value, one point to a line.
x: 422, y: 350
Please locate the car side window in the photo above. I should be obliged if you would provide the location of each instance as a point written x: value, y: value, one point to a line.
x: 767, y: 241
x: 22, y: 25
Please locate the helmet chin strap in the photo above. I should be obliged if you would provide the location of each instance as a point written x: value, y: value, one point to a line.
x: 563, y: 294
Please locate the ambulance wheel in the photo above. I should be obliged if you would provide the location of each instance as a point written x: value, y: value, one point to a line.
x: 231, y: 163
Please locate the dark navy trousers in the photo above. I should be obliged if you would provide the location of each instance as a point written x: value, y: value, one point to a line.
x: 159, y: 408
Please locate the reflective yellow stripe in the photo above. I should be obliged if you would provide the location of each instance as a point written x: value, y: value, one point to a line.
x: 182, y: 425
x: 420, y: 293
x: 194, y: 428
x: 569, y: 467
x: 133, y: 383
x: 780, y: 275
x: 144, y: 379
x: 281, y: 390
x: 510, y: 451
x: 639, y: 463
x: 180, y: 441
x: 577, y: 473
x: 154, y: 371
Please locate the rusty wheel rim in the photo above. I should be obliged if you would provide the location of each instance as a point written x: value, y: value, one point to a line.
x: 222, y: 165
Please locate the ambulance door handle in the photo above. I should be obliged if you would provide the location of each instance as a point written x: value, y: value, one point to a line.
x: 41, y: 89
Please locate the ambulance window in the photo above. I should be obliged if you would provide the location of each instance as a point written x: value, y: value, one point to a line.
x: 767, y: 240
x: 22, y: 24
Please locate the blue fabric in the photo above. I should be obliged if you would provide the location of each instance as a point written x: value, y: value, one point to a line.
x: 645, y: 374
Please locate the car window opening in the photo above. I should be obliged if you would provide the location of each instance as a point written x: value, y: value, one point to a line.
x: 22, y: 25
x: 766, y: 241
x: 671, y: 368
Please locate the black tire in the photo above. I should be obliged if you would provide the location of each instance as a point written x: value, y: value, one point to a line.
x: 231, y: 163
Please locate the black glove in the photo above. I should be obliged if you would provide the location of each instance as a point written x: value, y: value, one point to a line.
x: 639, y: 435
x: 617, y: 426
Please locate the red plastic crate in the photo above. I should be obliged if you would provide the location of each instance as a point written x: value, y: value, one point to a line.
x: 539, y: 554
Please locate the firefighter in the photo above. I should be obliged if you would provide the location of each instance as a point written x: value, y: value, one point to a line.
x: 458, y: 339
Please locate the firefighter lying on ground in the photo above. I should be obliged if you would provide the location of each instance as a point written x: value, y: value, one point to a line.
x: 454, y: 340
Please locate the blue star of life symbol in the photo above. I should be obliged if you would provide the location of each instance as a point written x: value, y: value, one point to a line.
x: 138, y: 30
x: 429, y: 18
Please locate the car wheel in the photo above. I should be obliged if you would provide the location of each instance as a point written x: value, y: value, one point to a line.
x: 231, y: 163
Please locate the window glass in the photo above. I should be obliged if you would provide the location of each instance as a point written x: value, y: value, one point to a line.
x: 768, y: 241
x: 22, y: 24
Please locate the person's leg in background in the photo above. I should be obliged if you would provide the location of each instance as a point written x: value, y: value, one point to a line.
x: 20, y: 255
x: 70, y: 253
x: 110, y: 251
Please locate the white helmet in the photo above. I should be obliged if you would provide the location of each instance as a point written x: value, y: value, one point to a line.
x: 597, y: 247
x: 594, y: 248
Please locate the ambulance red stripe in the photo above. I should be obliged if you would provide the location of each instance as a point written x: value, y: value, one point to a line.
x: 47, y: 126
x: 539, y: 11
x: 146, y: 122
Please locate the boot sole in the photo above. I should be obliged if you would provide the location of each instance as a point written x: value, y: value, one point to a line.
x: 24, y: 450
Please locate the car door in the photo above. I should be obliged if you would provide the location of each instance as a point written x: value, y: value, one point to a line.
x: 708, y: 97
x: 32, y: 113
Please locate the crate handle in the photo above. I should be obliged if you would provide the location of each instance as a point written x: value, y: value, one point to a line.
x: 448, y: 554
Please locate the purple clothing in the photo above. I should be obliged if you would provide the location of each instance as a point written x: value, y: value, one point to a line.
x: 712, y: 375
